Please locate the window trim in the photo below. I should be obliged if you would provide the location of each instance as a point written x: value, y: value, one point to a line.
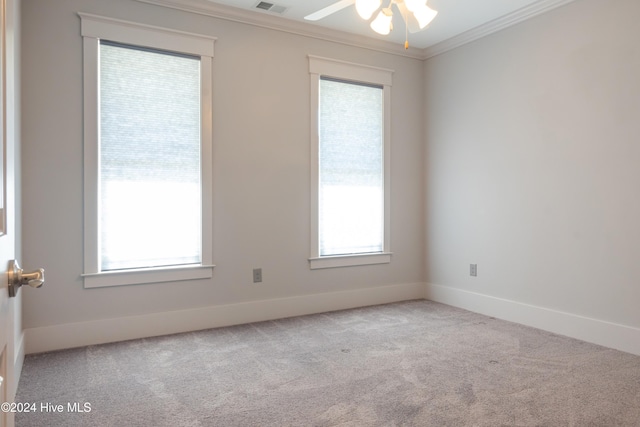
x: 94, y: 28
x: 348, y: 71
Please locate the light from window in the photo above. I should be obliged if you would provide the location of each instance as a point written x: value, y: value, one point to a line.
x: 150, y: 176
x: 351, y: 168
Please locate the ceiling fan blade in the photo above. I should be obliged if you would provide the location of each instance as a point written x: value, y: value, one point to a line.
x: 322, y: 13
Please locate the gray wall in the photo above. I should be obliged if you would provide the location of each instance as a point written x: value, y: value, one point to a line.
x: 261, y: 167
x: 533, y: 163
x: 517, y: 152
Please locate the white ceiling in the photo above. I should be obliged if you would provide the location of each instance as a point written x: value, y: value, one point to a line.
x: 454, y: 17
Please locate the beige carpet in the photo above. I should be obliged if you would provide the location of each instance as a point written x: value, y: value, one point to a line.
x: 415, y: 363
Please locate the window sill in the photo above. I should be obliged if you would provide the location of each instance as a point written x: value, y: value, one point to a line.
x: 152, y: 275
x: 349, y: 260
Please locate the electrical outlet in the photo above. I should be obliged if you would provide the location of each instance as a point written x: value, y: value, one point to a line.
x: 257, y: 275
x: 473, y: 269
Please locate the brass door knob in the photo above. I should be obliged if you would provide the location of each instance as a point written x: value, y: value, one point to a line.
x: 17, y: 278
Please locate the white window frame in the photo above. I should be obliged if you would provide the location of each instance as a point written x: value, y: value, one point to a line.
x: 93, y: 29
x: 347, y: 71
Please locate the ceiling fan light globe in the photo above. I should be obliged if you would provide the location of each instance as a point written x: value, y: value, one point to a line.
x: 382, y: 23
x: 365, y: 8
x: 424, y: 15
x: 413, y: 5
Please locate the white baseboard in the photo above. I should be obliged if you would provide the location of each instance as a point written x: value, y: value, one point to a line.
x: 612, y: 335
x: 57, y: 337
x: 80, y: 334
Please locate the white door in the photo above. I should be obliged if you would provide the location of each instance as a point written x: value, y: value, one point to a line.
x: 10, y: 308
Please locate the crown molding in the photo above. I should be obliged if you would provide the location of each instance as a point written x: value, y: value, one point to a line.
x: 249, y: 17
x: 272, y: 22
x: 494, y: 26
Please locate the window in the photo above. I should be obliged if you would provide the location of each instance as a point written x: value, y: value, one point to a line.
x: 350, y: 164
x: 147, y: 95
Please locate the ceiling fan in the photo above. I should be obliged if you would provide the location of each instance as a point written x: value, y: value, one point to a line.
x: 415, y: 13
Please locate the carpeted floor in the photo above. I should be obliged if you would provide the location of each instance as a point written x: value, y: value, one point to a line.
x: 415, y: 363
